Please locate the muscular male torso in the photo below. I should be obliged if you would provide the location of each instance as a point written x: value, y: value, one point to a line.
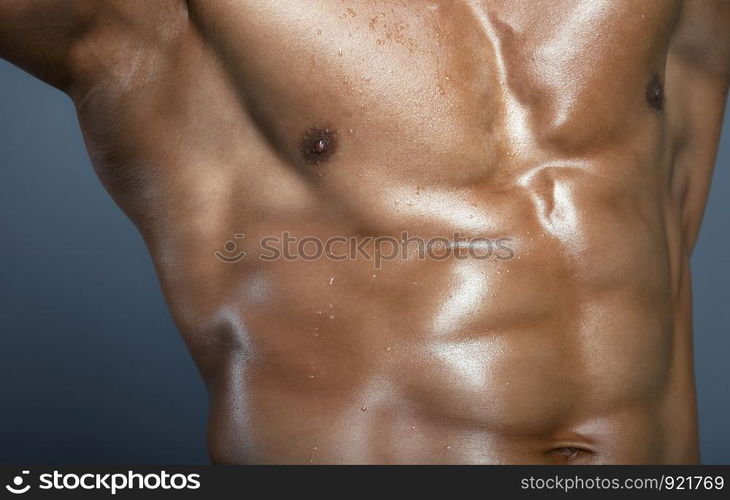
x: 579, y: 133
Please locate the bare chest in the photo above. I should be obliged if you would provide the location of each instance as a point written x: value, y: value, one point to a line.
x: 429, y: 94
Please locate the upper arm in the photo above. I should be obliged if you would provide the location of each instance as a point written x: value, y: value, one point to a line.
x: 699, y: 72
x: 39, y: 35
x: 702, y: 39
x: 70, y: 42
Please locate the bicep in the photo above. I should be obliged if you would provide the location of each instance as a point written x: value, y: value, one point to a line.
x: 39, y: 35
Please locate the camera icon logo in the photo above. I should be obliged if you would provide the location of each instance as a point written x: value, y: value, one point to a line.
x: 17, y: 484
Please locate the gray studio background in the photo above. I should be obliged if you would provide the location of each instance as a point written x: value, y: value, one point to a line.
x: 91, y: 366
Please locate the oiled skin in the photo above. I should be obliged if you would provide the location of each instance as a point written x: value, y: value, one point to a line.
x: 521, y: 120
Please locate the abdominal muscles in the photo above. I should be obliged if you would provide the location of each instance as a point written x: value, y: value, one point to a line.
x: 559, y: 342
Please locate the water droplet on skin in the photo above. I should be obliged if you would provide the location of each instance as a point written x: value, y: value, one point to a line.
x: 332, y: 280
x: 318, y: 312
x: 448, y: 448
x: 409, y: 203
x: 350, y: 131
x: 332, y: 316
x: 315, y: 448
x: 339, y: 52
x: 319, y: 32
x: 388, y: 348
x: 310, y: 376
x: 413, y: 427
x: 363, y: 408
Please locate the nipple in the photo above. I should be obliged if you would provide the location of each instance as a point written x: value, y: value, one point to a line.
x: 318, y: 145
x: 655, y: 92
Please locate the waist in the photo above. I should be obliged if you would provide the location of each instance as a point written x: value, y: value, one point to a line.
x: 424, y: 411
x: 385, y: 388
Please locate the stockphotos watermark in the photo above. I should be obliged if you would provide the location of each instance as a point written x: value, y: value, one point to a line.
x: 110, y: 482
x: 375, y: 249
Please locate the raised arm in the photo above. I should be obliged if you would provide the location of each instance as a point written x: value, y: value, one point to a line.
x: 40, y: 35
x: 702, y: 41
x: 700, y: 62
x: 64, y: 42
